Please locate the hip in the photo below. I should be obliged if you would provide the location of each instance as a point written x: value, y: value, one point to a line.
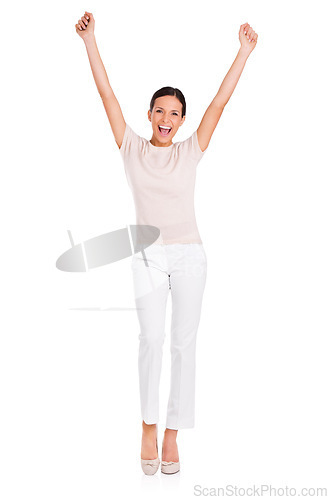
x: 165, y: 255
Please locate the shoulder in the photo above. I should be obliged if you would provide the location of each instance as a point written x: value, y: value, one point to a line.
x: 190, y: 146
x: 130, y: 140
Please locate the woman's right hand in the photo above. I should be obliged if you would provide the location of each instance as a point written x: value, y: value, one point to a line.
x: 86, y: 25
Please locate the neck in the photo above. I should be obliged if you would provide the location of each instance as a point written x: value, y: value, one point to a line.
x: 158, y: 144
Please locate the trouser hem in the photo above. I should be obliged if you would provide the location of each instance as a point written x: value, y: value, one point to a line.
x: 150, y: 421
x: 183, y: 425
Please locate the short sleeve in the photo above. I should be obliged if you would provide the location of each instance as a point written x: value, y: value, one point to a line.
x: 130, y: 141
x: 190, y: 149
x: 197, y: 152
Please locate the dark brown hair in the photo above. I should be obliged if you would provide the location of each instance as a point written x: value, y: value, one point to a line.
x: 169, y: 91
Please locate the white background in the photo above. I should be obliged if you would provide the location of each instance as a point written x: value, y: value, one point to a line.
x: 70, y: 414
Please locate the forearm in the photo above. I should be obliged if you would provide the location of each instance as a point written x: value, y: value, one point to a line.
x: 97, y: 67
x: 231, y: 79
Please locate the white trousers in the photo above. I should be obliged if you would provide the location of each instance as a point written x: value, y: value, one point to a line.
x: 159, y: 269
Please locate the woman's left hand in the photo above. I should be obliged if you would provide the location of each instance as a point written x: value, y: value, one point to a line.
x: 248, y: 37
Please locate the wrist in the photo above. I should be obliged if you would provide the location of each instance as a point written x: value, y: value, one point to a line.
x: 89, y: 38
x: 244, y: 52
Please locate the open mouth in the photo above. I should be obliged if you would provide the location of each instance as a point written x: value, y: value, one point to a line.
x: 164, y: 130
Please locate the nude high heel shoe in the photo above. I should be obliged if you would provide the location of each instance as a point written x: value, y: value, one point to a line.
x: 150, y: 466
x: 170, y: 467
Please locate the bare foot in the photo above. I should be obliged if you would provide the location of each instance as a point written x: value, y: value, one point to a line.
x: 149, y: 449
x: 169, y: 446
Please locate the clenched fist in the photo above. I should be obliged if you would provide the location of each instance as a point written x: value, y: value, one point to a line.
x: 86, y: 25
x: 248, y: 37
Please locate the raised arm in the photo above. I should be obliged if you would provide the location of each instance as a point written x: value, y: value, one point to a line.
x: 85, y: 29
x: 248, y: 39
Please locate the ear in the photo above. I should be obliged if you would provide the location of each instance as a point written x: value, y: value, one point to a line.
x: 182, y: 121
x: 149, y: 115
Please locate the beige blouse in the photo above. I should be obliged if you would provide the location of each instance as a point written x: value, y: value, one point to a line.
x: 162, y: 181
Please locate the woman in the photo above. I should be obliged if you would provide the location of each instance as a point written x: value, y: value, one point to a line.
x: 161, y: 175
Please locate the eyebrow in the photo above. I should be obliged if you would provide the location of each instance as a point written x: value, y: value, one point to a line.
x: 163, y: 108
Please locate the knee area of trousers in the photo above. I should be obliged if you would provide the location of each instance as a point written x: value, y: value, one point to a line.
x: 183, y: 346
x: 151, y: 340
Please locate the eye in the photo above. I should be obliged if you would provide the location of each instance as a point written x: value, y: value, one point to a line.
x: 158, y: 110
x: 175, y: 114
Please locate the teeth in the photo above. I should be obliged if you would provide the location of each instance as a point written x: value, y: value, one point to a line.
x: 164, y: 127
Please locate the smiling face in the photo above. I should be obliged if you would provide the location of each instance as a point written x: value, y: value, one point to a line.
x: 166, y: 118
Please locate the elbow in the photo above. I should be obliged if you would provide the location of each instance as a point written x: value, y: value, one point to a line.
x: 220, y: 105
x: 106, y: 94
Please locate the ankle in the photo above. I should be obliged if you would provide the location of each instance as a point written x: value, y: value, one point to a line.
x: 149, y: 430
x: 170, y: 434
